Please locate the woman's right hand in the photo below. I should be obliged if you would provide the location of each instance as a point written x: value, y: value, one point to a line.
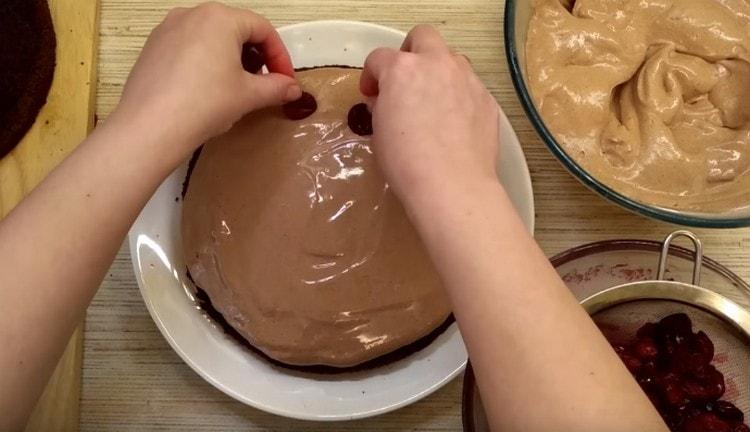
x: 436, y: 138
x: 435, y: 124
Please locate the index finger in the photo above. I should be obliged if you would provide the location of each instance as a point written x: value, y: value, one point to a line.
x: 258, y: 31
x: 423, y: 39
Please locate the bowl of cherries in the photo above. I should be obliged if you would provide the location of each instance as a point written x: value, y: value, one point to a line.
x: 686, y: 344
x: 674, y: 366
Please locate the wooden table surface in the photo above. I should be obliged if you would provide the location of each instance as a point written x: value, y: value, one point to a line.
x: 132, y: 380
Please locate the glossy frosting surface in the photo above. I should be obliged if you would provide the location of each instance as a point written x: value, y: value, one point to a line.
x: 649, y: 96
x: 292, y: 232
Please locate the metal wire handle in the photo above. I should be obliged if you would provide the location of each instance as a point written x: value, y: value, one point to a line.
x: 698, y: 255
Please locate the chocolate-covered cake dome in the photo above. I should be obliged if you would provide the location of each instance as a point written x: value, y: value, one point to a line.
x: 292, y: 232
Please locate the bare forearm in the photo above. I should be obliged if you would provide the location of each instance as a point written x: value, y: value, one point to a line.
x: 541, y: 363
x: 55, y: 248
x: 188, y: 86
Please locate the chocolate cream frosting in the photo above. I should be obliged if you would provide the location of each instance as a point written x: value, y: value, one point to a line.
x: 651, y: 97
x: 291, y: 230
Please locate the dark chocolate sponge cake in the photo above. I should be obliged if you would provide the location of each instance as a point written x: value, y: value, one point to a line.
x: 27, y: 65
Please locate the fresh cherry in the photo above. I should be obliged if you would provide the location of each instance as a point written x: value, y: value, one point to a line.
x: 649, y: 368
x: 676, y: 325
x: 673, y: 367
x: 302, y: 108
x: 647, y: 330
x: 712, y: 381
x: 706, y: 422
x: 702, y: 392
x: 676, y: 417
x: 360, y: 120
x: 252, y: 58
x: 672, y: 392
x: 646, y: 349
x: 632, y: 362
x: 704, y: 346
x: 726, y: 411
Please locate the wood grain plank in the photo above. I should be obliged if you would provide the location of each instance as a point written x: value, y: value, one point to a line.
x: 63, y: 122
x: 59, y: 407
x: 132, y: 380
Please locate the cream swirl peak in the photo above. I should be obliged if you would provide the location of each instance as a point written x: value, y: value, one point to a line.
x: 652, y: 97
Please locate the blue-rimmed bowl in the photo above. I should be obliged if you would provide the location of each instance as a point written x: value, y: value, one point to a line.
x: 517, y: 16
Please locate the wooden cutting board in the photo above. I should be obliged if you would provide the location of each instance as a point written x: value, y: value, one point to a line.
x: 64, y: 122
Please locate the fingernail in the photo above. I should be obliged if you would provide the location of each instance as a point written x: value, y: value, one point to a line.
x: 293, y: 93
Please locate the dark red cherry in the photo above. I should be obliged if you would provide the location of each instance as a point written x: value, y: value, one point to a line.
x: 673, y: 332
x: 671, y: 390
x: 714, y: 381
x: 676, y: 417
x: 673, y: 420
x: 252, y: 58
x: 302, y: 108
x: 647, y: 382
x: 649, y: 368
x: 673, y: 395
x: 360, y: 120
x: 704, y: 386
x: 726, y: 411
x: 632, y: 362
x: 646, y: 330
x: 677, y: 323
x: 706, y: 422
x: 686, y: 359
x: 703, y: 346
x: 673, y: 367
x: 646, y: 349
x: 696, y: 391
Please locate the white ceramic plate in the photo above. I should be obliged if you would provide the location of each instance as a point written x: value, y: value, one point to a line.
x: 155, y: 246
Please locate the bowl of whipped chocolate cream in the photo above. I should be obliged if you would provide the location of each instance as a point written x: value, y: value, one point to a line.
x: 280, y: 266
x: 644, y: 101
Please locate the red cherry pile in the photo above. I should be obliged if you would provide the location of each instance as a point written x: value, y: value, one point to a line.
x: 673, y: 366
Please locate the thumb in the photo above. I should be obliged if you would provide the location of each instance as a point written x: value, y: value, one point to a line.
x: 271, y: 89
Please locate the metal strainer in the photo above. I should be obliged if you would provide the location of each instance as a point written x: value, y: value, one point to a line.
x: 621, y: 310
x: 595, y: 274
